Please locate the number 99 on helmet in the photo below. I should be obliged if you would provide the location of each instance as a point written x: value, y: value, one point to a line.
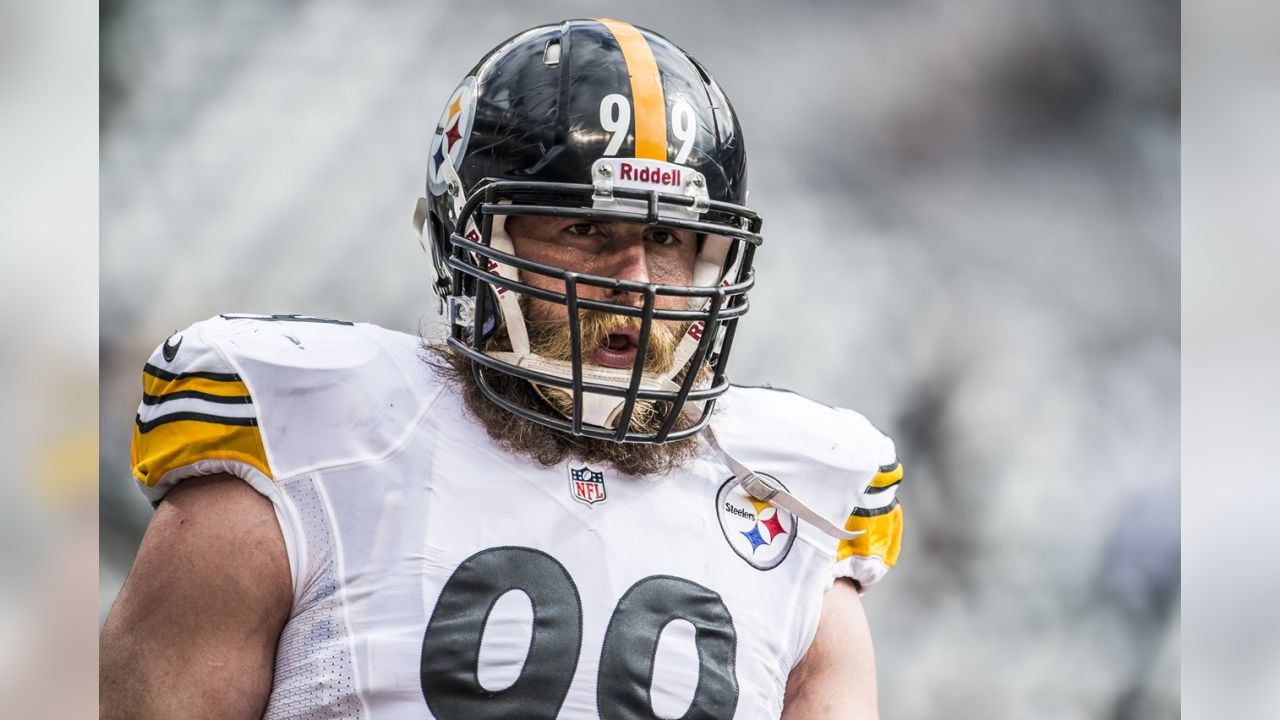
x: 605, y: 122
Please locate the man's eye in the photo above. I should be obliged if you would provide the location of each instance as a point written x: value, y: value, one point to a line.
x: 582, y: 229
x: 664, y: 238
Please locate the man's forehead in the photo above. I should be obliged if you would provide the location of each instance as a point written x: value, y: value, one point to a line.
x: 537, y: 223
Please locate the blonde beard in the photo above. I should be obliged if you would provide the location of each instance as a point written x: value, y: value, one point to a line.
x: 550, y: 338
x: 550, y: 447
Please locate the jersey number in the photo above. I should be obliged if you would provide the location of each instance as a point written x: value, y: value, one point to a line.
x: 451, y: 644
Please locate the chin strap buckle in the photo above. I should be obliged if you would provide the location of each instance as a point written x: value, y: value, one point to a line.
x: 760, y: 488
x: 461, y: 310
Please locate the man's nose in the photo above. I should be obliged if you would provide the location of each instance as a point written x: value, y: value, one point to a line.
x: 627, y: 260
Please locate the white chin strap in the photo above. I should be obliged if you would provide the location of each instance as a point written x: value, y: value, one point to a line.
x: 508, y: 302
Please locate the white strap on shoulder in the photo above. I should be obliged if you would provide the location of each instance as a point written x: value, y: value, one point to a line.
x: 764, y: 490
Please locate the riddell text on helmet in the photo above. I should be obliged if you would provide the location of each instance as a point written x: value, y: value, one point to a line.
x: 654, y: 175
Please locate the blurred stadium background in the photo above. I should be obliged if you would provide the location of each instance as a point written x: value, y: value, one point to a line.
x: 973, y: 206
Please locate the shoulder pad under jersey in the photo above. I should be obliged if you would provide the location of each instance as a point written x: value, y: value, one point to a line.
x: 269, y: 397
x: 832, y: 459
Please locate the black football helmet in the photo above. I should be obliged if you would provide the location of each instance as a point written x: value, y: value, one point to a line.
x: 601, y: 121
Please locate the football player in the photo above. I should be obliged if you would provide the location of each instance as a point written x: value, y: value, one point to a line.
x: 565, y: 509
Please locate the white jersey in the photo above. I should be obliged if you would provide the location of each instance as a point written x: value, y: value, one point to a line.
x: 436, y: 575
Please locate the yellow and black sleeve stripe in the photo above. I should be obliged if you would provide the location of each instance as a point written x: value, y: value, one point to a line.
x: 888, y: 477
x: 192, y: 416
x: 881, y: 526
x: 881, y: 537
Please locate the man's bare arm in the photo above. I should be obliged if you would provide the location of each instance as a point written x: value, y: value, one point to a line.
x: 193, y: 632
x: 837, y: 676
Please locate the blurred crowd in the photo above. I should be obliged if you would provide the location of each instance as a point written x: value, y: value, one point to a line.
x: 971, y: 236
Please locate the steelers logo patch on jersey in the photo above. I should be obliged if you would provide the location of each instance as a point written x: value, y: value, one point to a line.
x: 757, y: 531
x: 450, y: 140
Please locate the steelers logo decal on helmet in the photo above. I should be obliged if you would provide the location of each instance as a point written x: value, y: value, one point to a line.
x: 758, y: 532
x: 450, y: 140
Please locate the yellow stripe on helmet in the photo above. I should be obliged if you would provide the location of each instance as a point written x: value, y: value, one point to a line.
x: 646, y: 90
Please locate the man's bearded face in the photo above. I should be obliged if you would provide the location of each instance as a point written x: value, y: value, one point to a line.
x: 623, y: 251
x: 607, y: 339
x: 604, y: 334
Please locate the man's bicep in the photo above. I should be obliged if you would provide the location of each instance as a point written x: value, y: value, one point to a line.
x: 194, y: 630
x: 836, y: 678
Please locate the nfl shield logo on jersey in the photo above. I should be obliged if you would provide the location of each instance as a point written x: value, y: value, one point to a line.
x: 586, y: 485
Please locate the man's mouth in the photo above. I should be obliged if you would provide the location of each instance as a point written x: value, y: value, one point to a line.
x: 618, y: 350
